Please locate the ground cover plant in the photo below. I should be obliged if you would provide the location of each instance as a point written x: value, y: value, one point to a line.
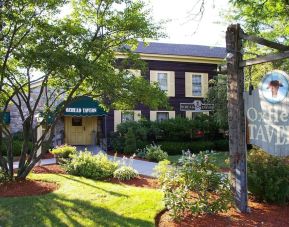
x: 83, y: 202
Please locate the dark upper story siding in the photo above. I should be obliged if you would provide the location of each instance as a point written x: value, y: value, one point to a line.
x: 179, y: 68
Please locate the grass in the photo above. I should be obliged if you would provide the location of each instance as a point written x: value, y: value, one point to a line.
x: 218, y: 157
x: 83, y: 202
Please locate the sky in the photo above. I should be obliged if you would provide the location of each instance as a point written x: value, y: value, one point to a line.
x: 182, y: 28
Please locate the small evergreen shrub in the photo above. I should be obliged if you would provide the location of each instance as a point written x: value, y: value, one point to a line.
x: 130, y: 142
x: 91, y: 166
x: 63, y: 153
x: 125, y: 173
x: 268, y: 177
x: 155, y: 153
x: 194, y: 187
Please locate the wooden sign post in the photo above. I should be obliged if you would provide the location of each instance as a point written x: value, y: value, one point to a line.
x: 236, y: 114
x: 237, y: 129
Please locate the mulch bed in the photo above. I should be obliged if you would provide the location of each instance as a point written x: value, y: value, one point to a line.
x: 261, y: 215
x: 26, y: 188
x: 49, y: 169
x: 140, y: 181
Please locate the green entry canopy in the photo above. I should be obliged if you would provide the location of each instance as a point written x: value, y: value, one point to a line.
x: 84, y: 107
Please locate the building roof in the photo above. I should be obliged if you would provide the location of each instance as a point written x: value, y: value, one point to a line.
x: 181, y: 50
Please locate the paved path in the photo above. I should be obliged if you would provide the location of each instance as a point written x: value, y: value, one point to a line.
x: 143, y: 167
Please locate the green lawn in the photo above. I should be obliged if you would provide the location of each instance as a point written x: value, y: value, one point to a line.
x: 218, y: 157
x: 83, y: 202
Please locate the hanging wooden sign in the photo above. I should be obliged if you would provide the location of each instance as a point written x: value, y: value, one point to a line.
x: 267, y: 114
x: 196, y: 106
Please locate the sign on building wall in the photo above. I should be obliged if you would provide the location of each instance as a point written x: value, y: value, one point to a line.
x: 267, y: 114
x: 196, y: 106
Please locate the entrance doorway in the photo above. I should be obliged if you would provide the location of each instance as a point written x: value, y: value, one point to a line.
x: 80, y: 130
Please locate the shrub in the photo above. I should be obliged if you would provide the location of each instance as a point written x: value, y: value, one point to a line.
x: 268, y: 177
x: 178, y: 129
x: 17, y: 147
x: 125, y: 173
x: 64, y: 151
x: 155, y: 153
x: 175, y: 148
x: 130, y: 142
x: 91, y: 166
x: 221, y: 145
x: 3, y: 176
x: 194, y: 187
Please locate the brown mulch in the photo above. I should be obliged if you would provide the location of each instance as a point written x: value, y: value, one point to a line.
x: 140, y: 181
x: 49, y: 169
x: 26, y: 188
x: 261, y: 215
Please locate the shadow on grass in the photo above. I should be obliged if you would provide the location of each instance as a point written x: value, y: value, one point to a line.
x: 56, y: 210
x: 70, y: 177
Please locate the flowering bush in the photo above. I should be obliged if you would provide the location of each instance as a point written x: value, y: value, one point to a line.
x: 125, y: 173
x: 195, y: 186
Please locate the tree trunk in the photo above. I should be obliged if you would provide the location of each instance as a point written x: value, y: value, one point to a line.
x: 236, y: 117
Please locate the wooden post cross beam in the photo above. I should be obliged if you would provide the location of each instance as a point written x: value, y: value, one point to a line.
x: 236, y: 117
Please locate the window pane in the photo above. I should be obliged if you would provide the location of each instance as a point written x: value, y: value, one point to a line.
x: 127, y: 116
x: 163, y: 81
x: 161, y: 116
x: 76, y: 121
x: 197, y: 85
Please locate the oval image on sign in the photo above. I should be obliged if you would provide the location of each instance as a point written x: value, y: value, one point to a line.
x: 274, y: 86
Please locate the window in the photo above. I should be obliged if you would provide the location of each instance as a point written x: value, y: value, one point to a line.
x: 163, y: 81
x: 127, y: 116
x: 162, y: 116
x: 195, y: 114
x: 197, y: 85
x: 76, y: 121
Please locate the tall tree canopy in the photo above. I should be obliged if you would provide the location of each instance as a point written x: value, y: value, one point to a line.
x: 67, y: 56
x: 267, y: 19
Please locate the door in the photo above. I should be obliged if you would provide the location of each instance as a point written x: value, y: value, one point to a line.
x: 80, y: 130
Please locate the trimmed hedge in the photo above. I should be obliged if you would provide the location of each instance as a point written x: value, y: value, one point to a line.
x: 175, y: 148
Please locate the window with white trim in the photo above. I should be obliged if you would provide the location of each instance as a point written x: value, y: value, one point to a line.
x: 196, y: 85
x: 127, y: 116
x: 161, y: 116
x: 163, y: 81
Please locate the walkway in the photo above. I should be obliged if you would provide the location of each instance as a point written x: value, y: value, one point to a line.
x: 143, y: 167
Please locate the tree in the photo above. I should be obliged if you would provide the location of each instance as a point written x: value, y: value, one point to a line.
x: 217, y: 95
x: 267, y: 19
x: 68, y: 56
